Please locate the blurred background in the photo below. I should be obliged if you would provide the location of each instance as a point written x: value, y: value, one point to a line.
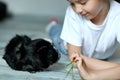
x: 28, y: 17
x: 38, y: 8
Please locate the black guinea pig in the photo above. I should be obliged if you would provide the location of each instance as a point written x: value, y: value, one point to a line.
x: 22, y: 53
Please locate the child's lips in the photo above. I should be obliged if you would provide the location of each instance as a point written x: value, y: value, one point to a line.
x: 84, y: 14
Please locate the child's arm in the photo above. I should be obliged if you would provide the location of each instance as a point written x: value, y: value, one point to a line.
x: 101, y: 70
x: 108, y: 74
x: 72, y: 50
x: 95, y: 64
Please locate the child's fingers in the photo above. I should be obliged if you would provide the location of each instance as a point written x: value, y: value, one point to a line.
x: 75, y: 65
x: 77, y: 61
x: 81, y: 68
x: 76, y: 57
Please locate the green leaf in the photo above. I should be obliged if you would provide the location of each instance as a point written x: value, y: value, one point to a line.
x: 71, y: 71
x: 69, y: 63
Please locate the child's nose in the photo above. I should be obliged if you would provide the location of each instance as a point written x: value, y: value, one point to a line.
x: 78, y: 8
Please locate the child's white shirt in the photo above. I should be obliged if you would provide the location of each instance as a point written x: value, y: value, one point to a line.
x: 96, y: 41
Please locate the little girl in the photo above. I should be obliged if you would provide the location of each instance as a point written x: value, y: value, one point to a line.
x: 91, y: 28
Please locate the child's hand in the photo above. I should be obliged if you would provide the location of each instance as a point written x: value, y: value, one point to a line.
x: 81, y: 68
x: 73, y: 54
x: 75, y: 59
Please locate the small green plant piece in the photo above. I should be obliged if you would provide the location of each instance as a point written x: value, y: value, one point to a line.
x: 71, y: 71
x: 69, y: 64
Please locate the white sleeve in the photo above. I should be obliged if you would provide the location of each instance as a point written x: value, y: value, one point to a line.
x: 71, y: 32
x: 118, y: 32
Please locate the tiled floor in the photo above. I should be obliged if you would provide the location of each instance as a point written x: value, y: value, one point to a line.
x: 34, y: 27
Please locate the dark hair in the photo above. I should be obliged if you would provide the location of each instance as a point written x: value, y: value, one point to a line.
x: 118, y: 1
